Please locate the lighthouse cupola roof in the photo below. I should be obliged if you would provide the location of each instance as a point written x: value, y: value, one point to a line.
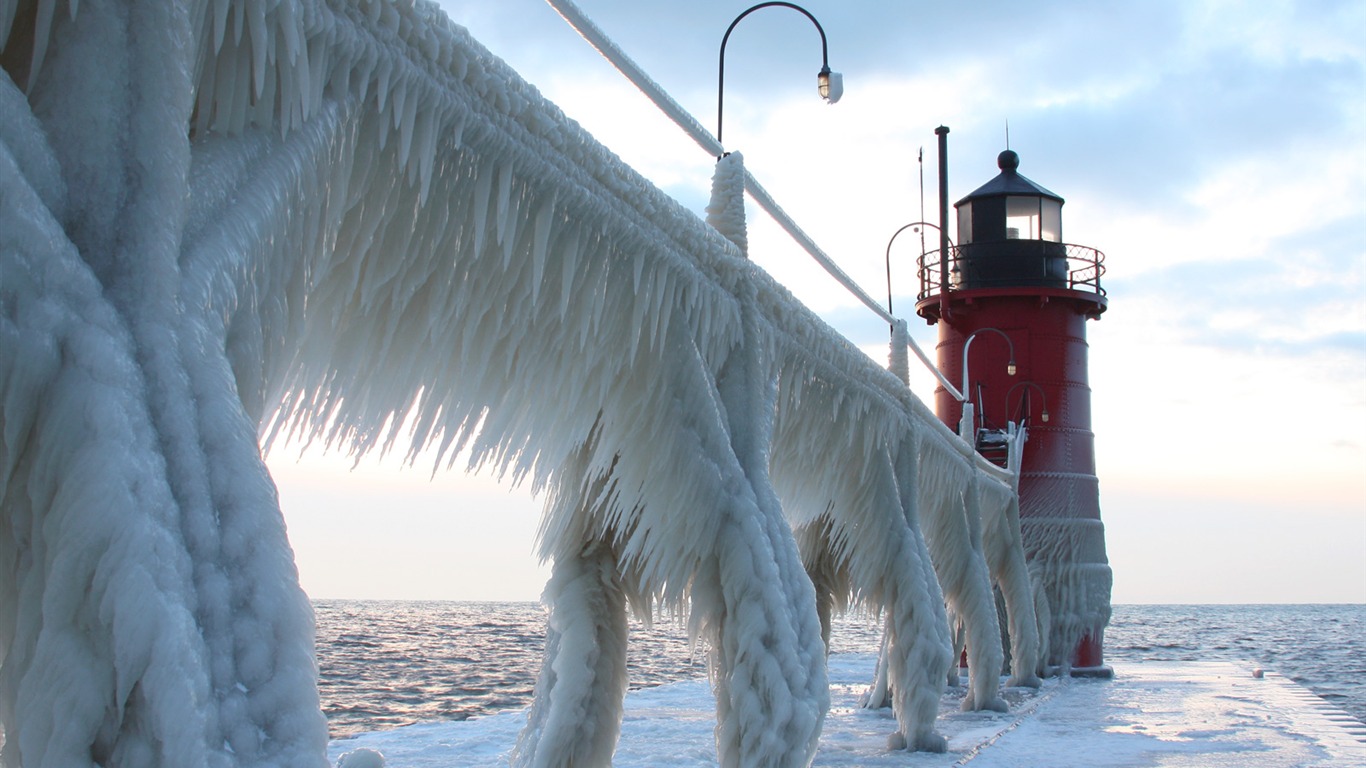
x: 1009, y: 207
x: 1009, y: 182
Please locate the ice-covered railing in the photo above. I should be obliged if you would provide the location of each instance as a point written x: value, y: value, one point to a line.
x: 223, y: 221
x: 901, y: 338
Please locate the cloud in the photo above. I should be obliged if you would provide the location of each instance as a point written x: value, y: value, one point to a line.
x: 1289, y: 299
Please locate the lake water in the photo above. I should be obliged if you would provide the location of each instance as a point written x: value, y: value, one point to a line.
x: 385, y: 664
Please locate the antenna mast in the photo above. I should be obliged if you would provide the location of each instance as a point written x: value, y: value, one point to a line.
x: 921, y: 161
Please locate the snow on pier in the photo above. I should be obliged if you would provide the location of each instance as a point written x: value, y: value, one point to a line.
x: 1151, y: 713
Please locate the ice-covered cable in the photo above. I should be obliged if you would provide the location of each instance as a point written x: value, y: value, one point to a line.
x: 666, y: 103
x: 613, y: 53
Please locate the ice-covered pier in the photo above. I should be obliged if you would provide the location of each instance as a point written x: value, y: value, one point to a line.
x: 230, y: 220
x: 1189, y: 714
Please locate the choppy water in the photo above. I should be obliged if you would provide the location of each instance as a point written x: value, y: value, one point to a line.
x: 389, y: 663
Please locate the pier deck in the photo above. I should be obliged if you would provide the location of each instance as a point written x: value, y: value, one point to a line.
x: 1191, y: 714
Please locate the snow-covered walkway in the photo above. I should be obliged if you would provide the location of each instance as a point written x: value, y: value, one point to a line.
x: 1150, y: 714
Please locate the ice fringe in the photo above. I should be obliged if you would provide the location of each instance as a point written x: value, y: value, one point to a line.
x: 228, y: 221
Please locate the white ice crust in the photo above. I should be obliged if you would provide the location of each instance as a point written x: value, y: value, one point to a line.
x: 227, y: 221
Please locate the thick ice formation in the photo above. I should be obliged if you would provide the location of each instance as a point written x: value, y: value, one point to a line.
x: 726, y: 211
x: 228, y: 221
x: 1005, y: 556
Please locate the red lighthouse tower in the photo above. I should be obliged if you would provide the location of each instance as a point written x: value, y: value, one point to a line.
x: 1011, y: 300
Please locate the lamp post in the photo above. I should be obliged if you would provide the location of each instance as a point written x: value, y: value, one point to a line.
x: 968, y: 422
x: 829, y: 84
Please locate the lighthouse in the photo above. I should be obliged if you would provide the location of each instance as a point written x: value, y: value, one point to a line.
x: 1011, y: 300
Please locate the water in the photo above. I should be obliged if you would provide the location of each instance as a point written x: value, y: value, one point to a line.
x: 384, y: 664
x: 1322, y: 647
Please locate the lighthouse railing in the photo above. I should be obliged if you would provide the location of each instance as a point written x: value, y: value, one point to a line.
x: 1011, y: 263
x: 1087, y: 267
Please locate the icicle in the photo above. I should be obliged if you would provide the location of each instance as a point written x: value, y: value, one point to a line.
x: 42, y: 31
x: 263, y: 110
x: 457, y: 132
x: 294, y: 90
x: 406, y: 128
x: 514, y: 238
x: 569, y: 265
x: 8, y: 9
x: 659, y: 309
x: 220, y: 23
x: 425, y: 135
x: 260, y: 43
x: 637, y: 267
x: 315, y: 66
x: 662, y: 310
x: 364, y: 73
x: 544, y: 221
x: 500, y: 218
x: 289, y: 26
x: 482, y: 196
x: 383, y: 73
x: 639, y: 305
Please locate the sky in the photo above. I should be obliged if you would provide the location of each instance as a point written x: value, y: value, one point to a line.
x: 1214, y: 151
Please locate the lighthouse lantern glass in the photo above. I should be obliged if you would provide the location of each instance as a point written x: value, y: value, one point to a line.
x: 1051, y: 220
x: 1027, y: 218
x: 965, y: 223
x: 1022, y: 218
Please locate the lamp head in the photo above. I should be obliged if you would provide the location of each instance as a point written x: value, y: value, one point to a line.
x: 1045, y: 417
x: 1010, y: 368
x: 830, y: 84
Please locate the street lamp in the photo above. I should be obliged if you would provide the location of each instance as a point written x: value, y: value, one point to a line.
x: 829, y: 84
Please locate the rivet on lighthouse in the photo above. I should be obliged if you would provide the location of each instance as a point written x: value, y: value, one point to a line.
x: 1012, y: 290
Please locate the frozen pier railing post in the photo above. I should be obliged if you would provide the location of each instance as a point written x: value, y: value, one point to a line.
x: 222, y: 222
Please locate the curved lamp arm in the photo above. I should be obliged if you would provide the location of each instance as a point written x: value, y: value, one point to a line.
x: 829, y: 83
x: 904, y: 227
x: 1010, y: 366
x: 1043, y: 411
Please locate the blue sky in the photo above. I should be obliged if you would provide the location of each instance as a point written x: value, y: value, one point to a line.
x: 1215, y: 151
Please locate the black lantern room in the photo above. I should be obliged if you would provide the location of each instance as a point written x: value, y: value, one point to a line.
x: 1009, y: 233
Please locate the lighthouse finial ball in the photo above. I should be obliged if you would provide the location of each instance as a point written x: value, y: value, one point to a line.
x: 1008, y: 160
